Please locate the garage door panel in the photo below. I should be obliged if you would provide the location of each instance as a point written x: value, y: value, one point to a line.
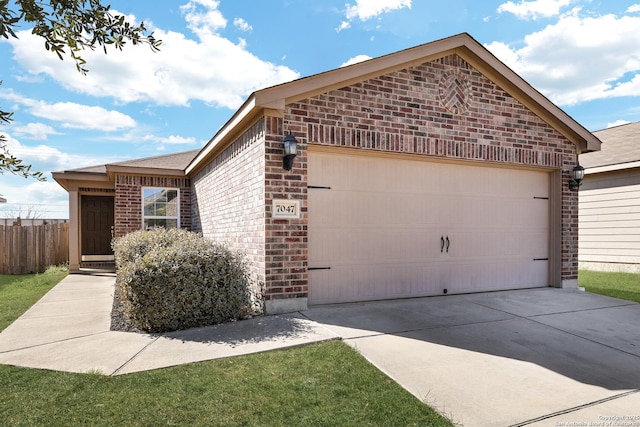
x: 491, y: 276
x: 344, y: 246
x: 503, y: 211
x: 381, y: 227
x: 497, y: 242
x: 395, y: 280
x: 370, y: 209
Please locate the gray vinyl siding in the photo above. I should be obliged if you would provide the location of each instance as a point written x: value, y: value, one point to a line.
x: 609, y: 218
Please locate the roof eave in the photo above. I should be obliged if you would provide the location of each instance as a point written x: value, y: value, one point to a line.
x: 246, y: 113
x: 275, y: 98
x: 483, y: 60
x: 612, y: 168
x: 115, y: 169
x: 70, y: 180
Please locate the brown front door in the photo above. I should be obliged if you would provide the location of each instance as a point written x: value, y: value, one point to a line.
x: 96, y: 225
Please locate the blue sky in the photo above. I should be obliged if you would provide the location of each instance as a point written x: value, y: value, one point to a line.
x: 582, y: 54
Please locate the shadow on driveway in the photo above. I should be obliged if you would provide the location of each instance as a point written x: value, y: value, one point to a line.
x: 527, y: 353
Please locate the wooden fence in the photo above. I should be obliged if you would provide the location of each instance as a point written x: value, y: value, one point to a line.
x: 33, y: 248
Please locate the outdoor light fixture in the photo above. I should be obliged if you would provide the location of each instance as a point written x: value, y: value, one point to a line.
x: 290, y: 151
x: 577, y: 175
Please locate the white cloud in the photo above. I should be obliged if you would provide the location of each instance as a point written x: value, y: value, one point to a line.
x: 77, y: 116
x: 208, y: 68
x: 46, y: 200
x: 44, y: 156
x: 633, y: 8
x: 37, y: 131
x: 368, y: 9
x: 170, y: 140
x: 203, y: 23
x: 356, y: 59
x: 618, y: 123
x: 72, y: 115
x: 242, y: 25
x: 579, y: 58
x: 343, y: 26
x: 534, y: 9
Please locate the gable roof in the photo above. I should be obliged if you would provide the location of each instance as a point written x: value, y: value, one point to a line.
x: 273, y: 100
x: 168, y: 164
x: 176, y: 162
x: 620, y: 149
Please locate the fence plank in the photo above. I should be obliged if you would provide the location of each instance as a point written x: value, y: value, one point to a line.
x: 33, y: 248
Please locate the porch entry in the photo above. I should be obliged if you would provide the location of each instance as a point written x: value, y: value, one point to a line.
x: 97, y: 222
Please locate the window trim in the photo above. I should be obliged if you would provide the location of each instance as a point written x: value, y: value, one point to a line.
x: 145, y: 217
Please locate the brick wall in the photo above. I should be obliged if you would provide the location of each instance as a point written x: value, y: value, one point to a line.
x: 228, y: 199
x: 444, y: 108
x: 128, y: 200
x: 286, y: 240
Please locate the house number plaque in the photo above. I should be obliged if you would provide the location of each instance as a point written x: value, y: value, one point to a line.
x: 286, y: 209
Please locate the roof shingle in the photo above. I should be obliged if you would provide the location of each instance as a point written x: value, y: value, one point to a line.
x: 620, y: 144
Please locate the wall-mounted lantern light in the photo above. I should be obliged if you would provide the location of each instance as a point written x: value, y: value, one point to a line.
x: 577, y: 175
x: 290, y: 151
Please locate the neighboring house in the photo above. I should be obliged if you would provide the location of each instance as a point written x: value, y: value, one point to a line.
x: 610, y: 202
x: 3, y: 200
x: 428, y: 171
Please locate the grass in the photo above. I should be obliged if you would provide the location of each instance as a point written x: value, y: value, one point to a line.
x: 325, y: 384
x: 618, y: 285
x: 18, y: 293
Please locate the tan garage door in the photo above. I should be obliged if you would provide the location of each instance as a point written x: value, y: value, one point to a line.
x: 386, y: 227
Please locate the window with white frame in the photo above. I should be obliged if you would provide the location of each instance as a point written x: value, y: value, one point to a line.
x: 160, y: 207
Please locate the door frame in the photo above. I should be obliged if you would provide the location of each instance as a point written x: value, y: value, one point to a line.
x: 555, y: 195
x: 90, y: 260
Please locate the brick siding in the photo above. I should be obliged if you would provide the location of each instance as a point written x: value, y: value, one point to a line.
x: 128, y: 200
x: 286, y: 244
x: 444, y: 108
x: 228, y: 199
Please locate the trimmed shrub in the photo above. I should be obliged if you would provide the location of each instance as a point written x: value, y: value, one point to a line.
x: 173, y: 279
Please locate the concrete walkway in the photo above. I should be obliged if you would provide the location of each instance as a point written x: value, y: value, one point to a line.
x: 539, y: 357
x: 68, y: 330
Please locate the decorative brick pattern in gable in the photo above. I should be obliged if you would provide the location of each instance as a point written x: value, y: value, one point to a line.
x: 413, y: 111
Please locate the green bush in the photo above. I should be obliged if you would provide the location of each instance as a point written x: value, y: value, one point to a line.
x: 172, y: 279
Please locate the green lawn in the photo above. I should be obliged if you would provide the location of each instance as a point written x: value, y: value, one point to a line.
x: 326, y: 384
x: 18, y: 293
x: 618, y: 285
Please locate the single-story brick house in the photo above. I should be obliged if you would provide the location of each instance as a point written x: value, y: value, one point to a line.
x: 431, y: 170
x: 609, y: 203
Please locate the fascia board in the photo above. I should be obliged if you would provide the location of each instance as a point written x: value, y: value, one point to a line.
x: 478, y: 56
x: 612, y: 168
x: 245, y: 112
x: 277, y: 97
x: 74, y: 180
x: 112, y: 170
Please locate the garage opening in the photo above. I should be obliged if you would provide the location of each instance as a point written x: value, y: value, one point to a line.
x: 383, y: 227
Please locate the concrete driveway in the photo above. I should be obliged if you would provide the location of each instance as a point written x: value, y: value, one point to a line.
x: 539, y: 357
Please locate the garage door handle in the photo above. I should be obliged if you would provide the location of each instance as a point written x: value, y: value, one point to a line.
x: 441, y: 244
x: 448, y: 244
